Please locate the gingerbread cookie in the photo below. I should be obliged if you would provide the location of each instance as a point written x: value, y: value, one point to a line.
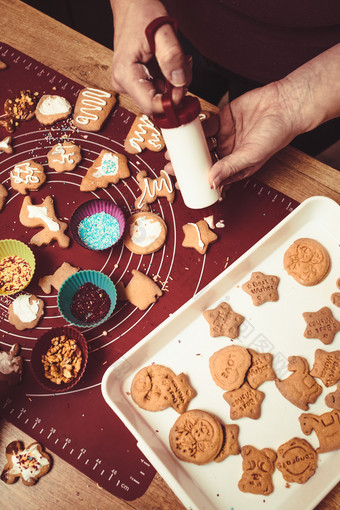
x: 223, y: 321
x: 297, y: 460
x: 258, y: 467
x: 3, y: 196
x: 198, y: 236
x: 143, y: 134
x: 151, y: 189
x: 108, y: 168
x: 333, y: 399
x: 25, y: 311
x: 229, y: 365
x: 326, y: 367
x: 64, y: 157
x: 321, y: 325
x: 27, y: 176
x: 92, y: 108
x: 50, y: 109
x: 261, y: 368
x: 307, y: 261
x: 11, y: 365
x: 56, y: 279
x: 28, y: 463
x: 141, y: 290
x: 3, y: 65
x: 5, y: 145
x: 157, y: 387
x: 327, y: 428
x: 335, y: 297
x: 300, y: 388
x: 230, y: 445
x: 244, y: 402
x: 262, y: 288
x: 145, y: 232
x: 196, y: 437
x: 43, y: 215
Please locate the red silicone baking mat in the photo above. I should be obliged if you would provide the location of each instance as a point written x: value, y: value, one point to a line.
x: 78, y: 425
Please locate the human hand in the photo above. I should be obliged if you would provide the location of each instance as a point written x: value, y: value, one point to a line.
x: 248, y: 131
x: 132, y: 53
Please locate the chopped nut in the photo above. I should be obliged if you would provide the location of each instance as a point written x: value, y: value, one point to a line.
x: 62, y: 362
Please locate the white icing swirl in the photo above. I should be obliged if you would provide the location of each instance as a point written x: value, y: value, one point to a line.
x: 54, y: 105
x: 145, y: 231
x: 24, y: 309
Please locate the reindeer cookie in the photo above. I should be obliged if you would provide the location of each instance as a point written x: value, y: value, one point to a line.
x: 327, y: 428
x: 27, y: 176
x: 258, y: 467
x: 141, y: 290
x: 300, y: 388
x: 157, y: 387
x: 3, y: 196
x: 28, y: 463
x: 43, y: 215
x: 56, y: 279
x: 64, y: 157
x: 92, y: 108
x: 297, y: 460
x: 143, y: 134
x: 198, y: 236
x: 153, y: 188
x: 107, y: 169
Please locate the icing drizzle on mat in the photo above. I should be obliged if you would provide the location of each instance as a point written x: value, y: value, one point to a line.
x: 145, y: 125
x: 91, y: 101
x: 157, y: 186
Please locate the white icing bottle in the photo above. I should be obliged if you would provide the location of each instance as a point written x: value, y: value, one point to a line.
x: 188, y: 151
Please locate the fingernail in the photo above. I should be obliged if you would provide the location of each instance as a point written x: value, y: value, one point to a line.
x: 178, y: 77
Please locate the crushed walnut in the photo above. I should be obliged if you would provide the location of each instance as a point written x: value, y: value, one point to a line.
x: 62, y: 361
x: 19, y: 108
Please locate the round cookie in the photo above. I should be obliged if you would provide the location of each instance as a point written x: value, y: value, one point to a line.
x: 27, y: 176
x: 64, y: 157
x: 229, y: 365
x: 293, y: 470
x: 307, y: 261
x: 50, y: 109
x: 196, y: 437
x: 145, y: 232
x: 25, y: 311
x: 149, y: 387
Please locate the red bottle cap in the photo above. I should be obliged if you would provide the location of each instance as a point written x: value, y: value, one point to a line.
x: 185, y: 112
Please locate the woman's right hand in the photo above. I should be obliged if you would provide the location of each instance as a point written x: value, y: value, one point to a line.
x: 132, y: 53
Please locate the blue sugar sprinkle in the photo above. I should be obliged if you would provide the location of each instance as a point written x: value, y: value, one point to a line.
x: 99, y: 231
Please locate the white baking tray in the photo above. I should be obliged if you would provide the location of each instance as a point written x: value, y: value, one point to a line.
x: 183, y: 343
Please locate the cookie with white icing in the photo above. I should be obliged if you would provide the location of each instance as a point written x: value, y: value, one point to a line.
x: 198, y: 236
x: 3, y: 196
x: 151, y: 189
x: 28, y: 463
x: 50, y: 109
x: 43, y: 215
x: 92, y: 108
x: 5, y: 145
x: 143, y: 134
x: 27, y: 176
x: 107, y: 169
x: 25, y: 311
x: 11, y: 366
x: 64, y: 157
x: 145, y: 232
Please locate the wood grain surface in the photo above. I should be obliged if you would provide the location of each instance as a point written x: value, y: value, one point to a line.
x: 290, y: 171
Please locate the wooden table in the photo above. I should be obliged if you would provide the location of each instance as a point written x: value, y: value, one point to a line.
x: 290, y: 172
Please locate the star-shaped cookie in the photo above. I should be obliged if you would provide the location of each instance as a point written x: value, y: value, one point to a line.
x: 321, y: 325
x: 5, y: 145
x: 198, y: 236
x: 262, y: 287
x: 223, y: 321
x: 261, y: 369
x: 326, y: 367
x: 244, y: 401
